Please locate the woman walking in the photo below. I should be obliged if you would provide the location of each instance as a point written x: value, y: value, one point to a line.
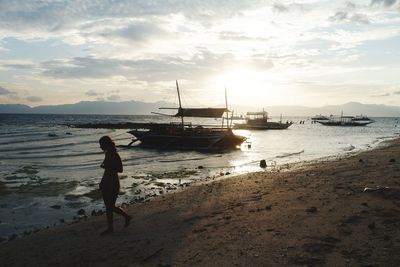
x: 109, y: 185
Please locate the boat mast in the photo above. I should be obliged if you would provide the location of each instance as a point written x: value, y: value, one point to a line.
x: 227, y: 115
x: 180, y: 104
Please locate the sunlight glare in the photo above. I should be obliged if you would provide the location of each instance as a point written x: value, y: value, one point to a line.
x: 246, y: 86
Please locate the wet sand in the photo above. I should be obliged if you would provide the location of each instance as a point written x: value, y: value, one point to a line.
x: 310, y: 214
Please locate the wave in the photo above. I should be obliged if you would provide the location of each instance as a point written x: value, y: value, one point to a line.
x: 285, y: 155
x: 36, y: 157
x: 349, y: 148
x: 43, y: 147
x: 44, y: 136
x: 187, y: 159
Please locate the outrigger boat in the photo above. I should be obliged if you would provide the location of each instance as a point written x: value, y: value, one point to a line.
x: 362, y: 118
x: 346, y: 121
x: 319, y: 117
x: 183, y: 135
x: 259, y: 121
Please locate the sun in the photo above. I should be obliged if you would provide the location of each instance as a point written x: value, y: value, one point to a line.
x: 247, y: 86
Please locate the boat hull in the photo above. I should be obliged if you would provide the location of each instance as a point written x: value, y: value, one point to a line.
x: 263, y: 126
x: 344, y: 124
x: 205, y: 141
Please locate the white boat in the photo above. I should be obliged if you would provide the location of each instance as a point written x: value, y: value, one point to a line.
x: 345, y: 121
x: 260, y: 121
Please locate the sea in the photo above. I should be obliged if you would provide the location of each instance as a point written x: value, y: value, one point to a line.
x: 50, y: 170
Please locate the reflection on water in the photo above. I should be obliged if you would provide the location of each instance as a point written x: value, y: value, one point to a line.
x: 49, y: 171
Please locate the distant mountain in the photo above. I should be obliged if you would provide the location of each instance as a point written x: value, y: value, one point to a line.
x: 143, y: 108
x: 87, y: 107
x: 14, y: 108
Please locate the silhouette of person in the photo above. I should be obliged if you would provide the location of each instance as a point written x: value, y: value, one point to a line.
x: 109, y: 185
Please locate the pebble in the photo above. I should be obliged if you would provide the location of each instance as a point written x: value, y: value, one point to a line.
x: 81, y: 212
x: 263, y: 163
x: 311, y: 209
x: 371, y: 226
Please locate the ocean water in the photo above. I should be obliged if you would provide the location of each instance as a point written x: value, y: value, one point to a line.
x: 50, y: 171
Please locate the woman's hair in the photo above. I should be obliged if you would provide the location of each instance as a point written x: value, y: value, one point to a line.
x: 107, y: 142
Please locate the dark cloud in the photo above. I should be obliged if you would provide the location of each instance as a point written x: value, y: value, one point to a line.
x: 84, y: 67
x: 4, y: 91
x: 113, y: 98
x: 18, y: 66
x: 396, y: 93
x: 345, y: 16
x: 382, y: 95
x: 339, y: 16
x: 137, y: 32
x: 386, y: 3
x: 350, y: 6
x: 202, y: 64
x: 360, y: 18
x: 53, y: 16
x: 278, y: 7
x: 34, y: 98
x: 91, y: 93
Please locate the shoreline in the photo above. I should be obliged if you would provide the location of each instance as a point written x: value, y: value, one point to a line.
x: 315, y: 213
x: 219, y: 173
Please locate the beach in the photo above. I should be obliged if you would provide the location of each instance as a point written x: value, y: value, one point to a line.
x: 338, y: 211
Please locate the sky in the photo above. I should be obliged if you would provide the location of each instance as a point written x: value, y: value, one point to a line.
x: 305, y: 52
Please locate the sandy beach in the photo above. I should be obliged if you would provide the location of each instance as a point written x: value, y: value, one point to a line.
x: 336, y: 212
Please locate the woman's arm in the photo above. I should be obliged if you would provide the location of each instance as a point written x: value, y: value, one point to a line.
x: 113, y: 162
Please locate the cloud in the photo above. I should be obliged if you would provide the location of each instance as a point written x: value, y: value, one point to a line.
x: 382, y: 95
x: 14, y: 95
x: 350, y: 6
x: 114, y: 98
x: 239, y: 36
x: 396, y: 93
x: 345, y: 16
x: 360, y: 18
x: 339, y: 16
x: 34, y: 98
x: 201, y: 64
x: 91, y: 93
x: 386, y: 3
x: 84, y: 67
x: 278, y: 7
x: 46, y: 19
x: 136, y: 32
x: 4, y: 91
x: 13, y: 64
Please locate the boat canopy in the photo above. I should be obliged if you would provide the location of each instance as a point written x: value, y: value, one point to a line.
x: 260, y: 113
x: 201, y: 112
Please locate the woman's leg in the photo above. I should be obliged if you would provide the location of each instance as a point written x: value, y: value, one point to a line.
x: 109, y: 202
x: 123, y: 213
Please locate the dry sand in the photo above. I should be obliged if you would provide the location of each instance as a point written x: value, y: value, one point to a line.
x: 314, y: 214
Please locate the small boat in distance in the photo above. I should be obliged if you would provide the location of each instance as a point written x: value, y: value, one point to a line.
x: 187, y: 136
x: 319, y: 117
x: 259, y: 121
x: 345, y: 121
x: 362, y: 118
